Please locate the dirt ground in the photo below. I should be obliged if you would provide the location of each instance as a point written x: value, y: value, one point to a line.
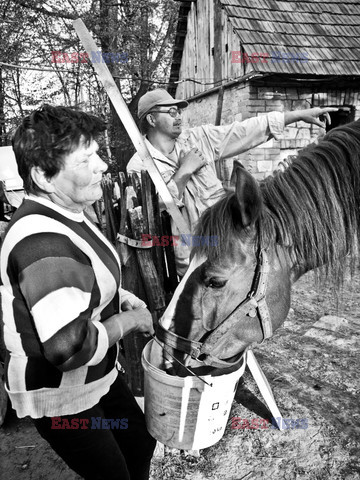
x: 313, y: 368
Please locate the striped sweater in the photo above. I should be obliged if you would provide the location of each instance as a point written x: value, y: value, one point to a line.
x: 61, y: 279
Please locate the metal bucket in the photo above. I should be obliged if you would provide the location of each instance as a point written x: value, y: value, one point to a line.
x: 185, y: 413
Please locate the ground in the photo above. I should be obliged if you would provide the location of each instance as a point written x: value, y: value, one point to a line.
x: 312, y: 366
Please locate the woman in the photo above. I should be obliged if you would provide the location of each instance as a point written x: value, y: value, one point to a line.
x: 61, y: 300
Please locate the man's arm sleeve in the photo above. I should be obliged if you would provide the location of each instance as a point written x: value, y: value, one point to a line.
x: 239, y: 137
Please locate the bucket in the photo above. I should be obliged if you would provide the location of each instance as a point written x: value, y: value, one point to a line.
x: 184, y: 412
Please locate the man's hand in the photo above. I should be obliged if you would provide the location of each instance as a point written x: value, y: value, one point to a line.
x: 317, y: 116
x: 191, y: 161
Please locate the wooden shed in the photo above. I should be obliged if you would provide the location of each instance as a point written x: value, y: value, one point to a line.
x: 235, y: 59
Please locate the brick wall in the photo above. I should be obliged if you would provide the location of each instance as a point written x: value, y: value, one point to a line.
x: 248, y: 100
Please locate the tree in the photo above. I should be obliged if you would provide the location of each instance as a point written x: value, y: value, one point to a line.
x: 143, y: 30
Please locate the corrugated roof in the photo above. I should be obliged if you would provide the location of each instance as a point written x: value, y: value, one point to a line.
x: 328, y: 32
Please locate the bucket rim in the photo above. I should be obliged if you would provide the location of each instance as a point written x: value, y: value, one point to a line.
x: 190, y: 381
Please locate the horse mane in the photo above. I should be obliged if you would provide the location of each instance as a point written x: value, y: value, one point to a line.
x: 313, y: 207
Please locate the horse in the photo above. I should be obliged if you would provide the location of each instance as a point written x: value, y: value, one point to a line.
x: 237, y: 293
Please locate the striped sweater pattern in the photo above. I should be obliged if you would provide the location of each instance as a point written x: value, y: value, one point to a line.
x: 60, y: 280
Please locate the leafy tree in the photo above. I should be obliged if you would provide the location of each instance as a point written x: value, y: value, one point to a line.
x: 144, y: 30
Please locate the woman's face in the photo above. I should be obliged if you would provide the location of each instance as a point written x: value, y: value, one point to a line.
x: 78, y: 184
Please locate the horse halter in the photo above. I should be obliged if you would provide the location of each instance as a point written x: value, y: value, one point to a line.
x: 253, y: 305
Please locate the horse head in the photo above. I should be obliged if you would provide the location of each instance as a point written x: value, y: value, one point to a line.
x: 237, y: 289
x: 220, y: 285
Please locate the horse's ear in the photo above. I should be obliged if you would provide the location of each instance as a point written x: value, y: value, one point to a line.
x: 248, y: 196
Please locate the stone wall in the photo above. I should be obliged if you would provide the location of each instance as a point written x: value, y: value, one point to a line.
x: 247, y: 100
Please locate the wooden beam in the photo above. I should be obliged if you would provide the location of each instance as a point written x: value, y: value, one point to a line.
x: 219, y: 106
x: 129, y: 123
x: 218, y: 47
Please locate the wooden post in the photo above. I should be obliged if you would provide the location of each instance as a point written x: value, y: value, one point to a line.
x: 135, y: 181
x: 219, y: 164
x: 158, y: 228
x: 122, y: 202
x: 170, y: 255
x: 218, y: 44
x: 130, y: 273
x: 153, y: 287
x: 149, y: 202
x: 264, y: 387
x: 219, y: 106
x: 107, y: 186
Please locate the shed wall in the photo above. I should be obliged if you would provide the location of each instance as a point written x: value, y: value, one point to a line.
x: 206, y: 60
x: 246, y: 100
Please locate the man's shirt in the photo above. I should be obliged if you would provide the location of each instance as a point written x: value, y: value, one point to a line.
x: 216, y: 144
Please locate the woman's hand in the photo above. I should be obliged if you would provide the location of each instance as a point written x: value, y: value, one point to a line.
x: 135, y: 320
x: 131, y: 299
x: 131, y: 319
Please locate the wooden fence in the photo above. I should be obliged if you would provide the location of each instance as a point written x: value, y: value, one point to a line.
x: 147, y: 271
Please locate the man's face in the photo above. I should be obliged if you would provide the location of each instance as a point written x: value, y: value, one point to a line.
x: 165, y: 123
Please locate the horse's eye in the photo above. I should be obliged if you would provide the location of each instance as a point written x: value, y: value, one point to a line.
x: 217, y: 282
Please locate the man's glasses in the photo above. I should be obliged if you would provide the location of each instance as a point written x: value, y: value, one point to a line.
x: 173, y: 112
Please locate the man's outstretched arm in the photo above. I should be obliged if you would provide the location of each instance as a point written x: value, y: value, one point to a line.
x: 317, y: 116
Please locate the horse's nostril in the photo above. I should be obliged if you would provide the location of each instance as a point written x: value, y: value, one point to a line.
x: 202, y: 357
x: 162, y: 414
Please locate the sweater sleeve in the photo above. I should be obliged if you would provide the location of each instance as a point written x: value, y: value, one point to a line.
x: 58, y: 284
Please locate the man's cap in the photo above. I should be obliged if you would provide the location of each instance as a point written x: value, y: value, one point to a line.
x: 158, y: 97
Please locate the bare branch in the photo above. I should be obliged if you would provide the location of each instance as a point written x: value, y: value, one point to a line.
x: 46, y: 12
x: 11, y: 65
x: 165, y: 42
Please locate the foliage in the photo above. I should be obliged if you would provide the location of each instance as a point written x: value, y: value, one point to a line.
x: 142, y: 29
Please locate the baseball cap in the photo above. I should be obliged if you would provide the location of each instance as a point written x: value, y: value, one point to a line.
x: 158, y: 97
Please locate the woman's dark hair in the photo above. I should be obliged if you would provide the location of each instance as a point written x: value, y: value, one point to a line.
x: 47, y: 135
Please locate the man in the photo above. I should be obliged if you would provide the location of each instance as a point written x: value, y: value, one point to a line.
x: 186, y: 159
